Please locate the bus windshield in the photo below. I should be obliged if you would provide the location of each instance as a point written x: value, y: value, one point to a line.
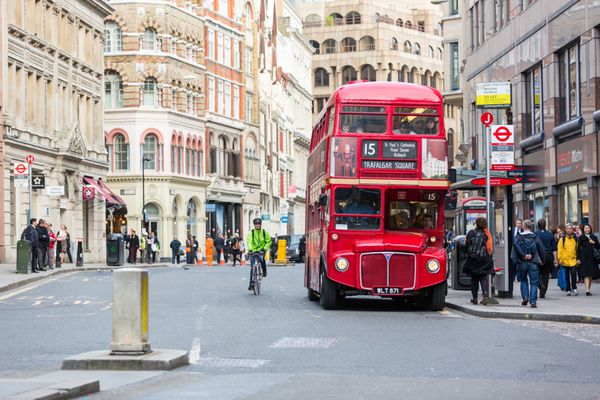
x: 356, y: 119
x: 352, y: 202
x: 401, y: 215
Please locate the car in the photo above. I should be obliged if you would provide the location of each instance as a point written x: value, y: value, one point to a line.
x: 296, y: 247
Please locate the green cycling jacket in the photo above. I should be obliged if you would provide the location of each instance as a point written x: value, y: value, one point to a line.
x: 258, y: 240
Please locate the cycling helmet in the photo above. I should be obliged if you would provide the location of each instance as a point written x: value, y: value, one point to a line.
x: 257, y: 221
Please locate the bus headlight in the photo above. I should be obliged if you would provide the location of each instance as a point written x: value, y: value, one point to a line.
x: 342, y: 264
x: 433, y: 266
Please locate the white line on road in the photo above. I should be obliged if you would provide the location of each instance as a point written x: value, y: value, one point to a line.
x: 105, y: 308
x: 29, y: 287
x: 87, y: 302
x: 77, y: 302
x: 56, y: 303
x: 50, y: 297
x: 37, y: 303
x: 195, y: 351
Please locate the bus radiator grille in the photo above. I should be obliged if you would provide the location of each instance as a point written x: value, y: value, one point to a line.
x: 377, y: 271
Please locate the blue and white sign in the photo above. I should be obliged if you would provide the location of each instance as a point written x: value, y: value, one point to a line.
x: 210, y: 207
x: 284, y: 219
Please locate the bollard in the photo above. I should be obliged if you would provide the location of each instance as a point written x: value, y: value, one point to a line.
x: 209, y: 251
x: 281, y: 252
x: 130, y: 312
x: 79, y: 262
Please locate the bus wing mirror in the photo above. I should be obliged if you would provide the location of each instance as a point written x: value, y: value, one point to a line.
x: 323, y: 200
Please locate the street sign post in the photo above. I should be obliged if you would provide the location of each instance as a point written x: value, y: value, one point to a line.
x: 503, y: 148
x: 487, y: 118
x: 30, y: 159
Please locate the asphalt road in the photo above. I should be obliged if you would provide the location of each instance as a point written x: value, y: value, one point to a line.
x: 280, y: 345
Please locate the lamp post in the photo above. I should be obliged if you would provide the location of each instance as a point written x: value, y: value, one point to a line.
x: 144, y: 160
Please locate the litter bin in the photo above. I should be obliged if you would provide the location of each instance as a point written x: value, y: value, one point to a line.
x: 115, y: 250
x: 460, y: 280
x: 23, y: 257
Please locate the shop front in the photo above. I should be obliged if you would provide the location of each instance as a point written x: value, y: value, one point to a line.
x: 576, y: 167
x: 537, y: 164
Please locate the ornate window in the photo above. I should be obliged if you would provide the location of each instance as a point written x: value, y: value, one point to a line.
x: 113, y: 40
x: 150, y: 153
x: 121, y: 153
x: 150, y: 94
x: 113, y: 90
x: 149, y: 40
x: 321, y: 77
x: 348, y: 45
x: 348, y: 74
x: 367, y: 73
x: 352, y: 18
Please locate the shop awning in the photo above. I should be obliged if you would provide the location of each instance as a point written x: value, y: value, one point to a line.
x: 111, y: 199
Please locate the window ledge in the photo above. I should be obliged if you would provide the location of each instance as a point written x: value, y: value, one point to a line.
x: 567, y: 129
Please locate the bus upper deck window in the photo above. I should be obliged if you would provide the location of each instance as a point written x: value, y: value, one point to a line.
x: 362, y: 119
x: 415, y: 121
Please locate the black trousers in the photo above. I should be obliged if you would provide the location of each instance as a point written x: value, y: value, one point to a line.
x: 34, y: 259
x: 545, y: 271
x: 571, y: 275
x: 479, y: 280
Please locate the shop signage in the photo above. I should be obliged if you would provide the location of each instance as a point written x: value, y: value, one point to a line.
x: 56, y: 190
x: 127, y: 192
x: 493, y: 95
x: 210, y: 207
x: 576, y: 159
x: 38, y: 181
x: 265, y: 217
x: 88, y: 193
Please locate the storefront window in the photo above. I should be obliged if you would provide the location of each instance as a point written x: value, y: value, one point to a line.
x: 539, y: 207
x: 576, y: 204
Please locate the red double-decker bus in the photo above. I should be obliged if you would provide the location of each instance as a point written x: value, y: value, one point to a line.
x: 377, y: 176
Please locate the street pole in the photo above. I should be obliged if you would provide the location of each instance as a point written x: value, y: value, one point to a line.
x: 143, y: 196
x: 29, y: 212
x: 488, y: 160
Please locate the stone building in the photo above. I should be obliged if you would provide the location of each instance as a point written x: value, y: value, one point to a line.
x: 52, y: 108
x: 154, y: 81
x: 372, y: 40
x: 549, y: 52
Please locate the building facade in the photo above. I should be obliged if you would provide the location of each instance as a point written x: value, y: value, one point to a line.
x: 384, y: 41
x: 154, y: 80
x: 549, y: 51
x: 52, y: 108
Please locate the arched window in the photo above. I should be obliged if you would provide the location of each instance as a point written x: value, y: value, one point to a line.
x: 335, y: 19
x: 113, y: 90
x: 192, y: 216
x: 440, y: 54
x: 366, y: 43
x: 407, y: 47
x: 149, y: 40
x: 321, y: 77
x: 316, y: 45
x: 352, y: 18
x: 329, y: 46
x: 348, y: 45
x: 120, y: 153
x: 394, y: 44
x: 417, y: 49
x: 113, y: 40
x: 430, y: 52
x: 399, y: 23
x: 150, y: 96
x: 413, y: 75
x: 248, y: 16
x: 199, y: 160
x: 251, y: 161
x: 175, y: 214
x: 367, y: 73
x: 222, y: 156
x: 312, y: 20
x: 150, y: 153
x: 348, y: 74
x: 408, y: 25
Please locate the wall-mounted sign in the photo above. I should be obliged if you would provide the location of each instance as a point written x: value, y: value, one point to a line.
x: 127, y: 192
x: 56, y: 190
x: 493, y: 95
x: 210, y: 207
x: 38, y: 181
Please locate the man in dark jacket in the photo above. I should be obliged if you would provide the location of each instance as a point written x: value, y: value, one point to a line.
x: 219, y: 245
x: 44, y: 243
x: 30, y: 234
x: 528, y: 255
x: 175, y: 246
x: 550, y: 259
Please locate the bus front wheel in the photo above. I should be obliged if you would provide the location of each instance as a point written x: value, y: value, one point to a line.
x: 438, y: 297
x: 329, y: 297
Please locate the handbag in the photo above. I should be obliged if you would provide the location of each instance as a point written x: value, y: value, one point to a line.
x: 596, y: 253
x: 562, y: 278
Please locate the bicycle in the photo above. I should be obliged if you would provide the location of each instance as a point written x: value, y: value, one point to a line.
x: 257, y: 274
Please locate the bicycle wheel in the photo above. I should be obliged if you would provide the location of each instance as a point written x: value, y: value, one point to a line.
x: 255, y: 279
x: 258, y: 280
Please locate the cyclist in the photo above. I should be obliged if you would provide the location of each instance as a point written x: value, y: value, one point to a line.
x: 258, y: 242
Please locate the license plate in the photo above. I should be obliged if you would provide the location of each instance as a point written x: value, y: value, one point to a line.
x: 388, y: 290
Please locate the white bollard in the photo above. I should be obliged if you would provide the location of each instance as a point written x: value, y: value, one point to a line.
x: 130, y: 312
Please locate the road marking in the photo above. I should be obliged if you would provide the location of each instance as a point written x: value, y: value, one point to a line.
x: 87, y: 302
x: 303, y: 343
x: 77, y: 302
x: 105, y: 308
x: 50, y: 297
x: 29, y: 287
x: 56, y: 303
x: 37, y: 303
x: 231, y: 363
x: 195, y: 351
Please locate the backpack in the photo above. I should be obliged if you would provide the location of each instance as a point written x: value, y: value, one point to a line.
x: 476, y: 249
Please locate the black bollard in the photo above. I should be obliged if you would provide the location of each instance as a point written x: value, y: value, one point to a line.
x: 79, y: 262
x: 57, y: 258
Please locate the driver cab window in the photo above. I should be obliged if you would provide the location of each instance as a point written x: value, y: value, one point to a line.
x: 353, y: 206
x: 403, y: 215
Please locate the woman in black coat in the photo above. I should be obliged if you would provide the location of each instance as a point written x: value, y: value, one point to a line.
x: 586, y: 244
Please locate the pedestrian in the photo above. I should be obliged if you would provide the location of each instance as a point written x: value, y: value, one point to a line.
x: 175, y: 246
x: 51, y: 247
x: 154, y: 246
x: 134, y: 245
x: 31, y: 234
x: 528, y: 252
x: 274, y: 244
x: 587, y: 249
x: 44, y: 243
x: 189, y: 250
x: 479, y: 263
x: 567, y: 257
x: 220, y: 246
x: 518, y: 227
x: 63, y: 238
x: 143, y: 248
x: 235, y: 249
x: 196, y: 248
x: 550, y: 260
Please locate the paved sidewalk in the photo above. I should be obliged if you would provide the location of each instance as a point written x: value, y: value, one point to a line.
x: 557, y: 306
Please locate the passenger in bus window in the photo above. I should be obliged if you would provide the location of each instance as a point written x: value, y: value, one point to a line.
x: 430, y: 127
x: 401, y: 220
x: 358, y: 204
x: 360, y: 126
x: 404, y: 129
x: 427, y: 221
